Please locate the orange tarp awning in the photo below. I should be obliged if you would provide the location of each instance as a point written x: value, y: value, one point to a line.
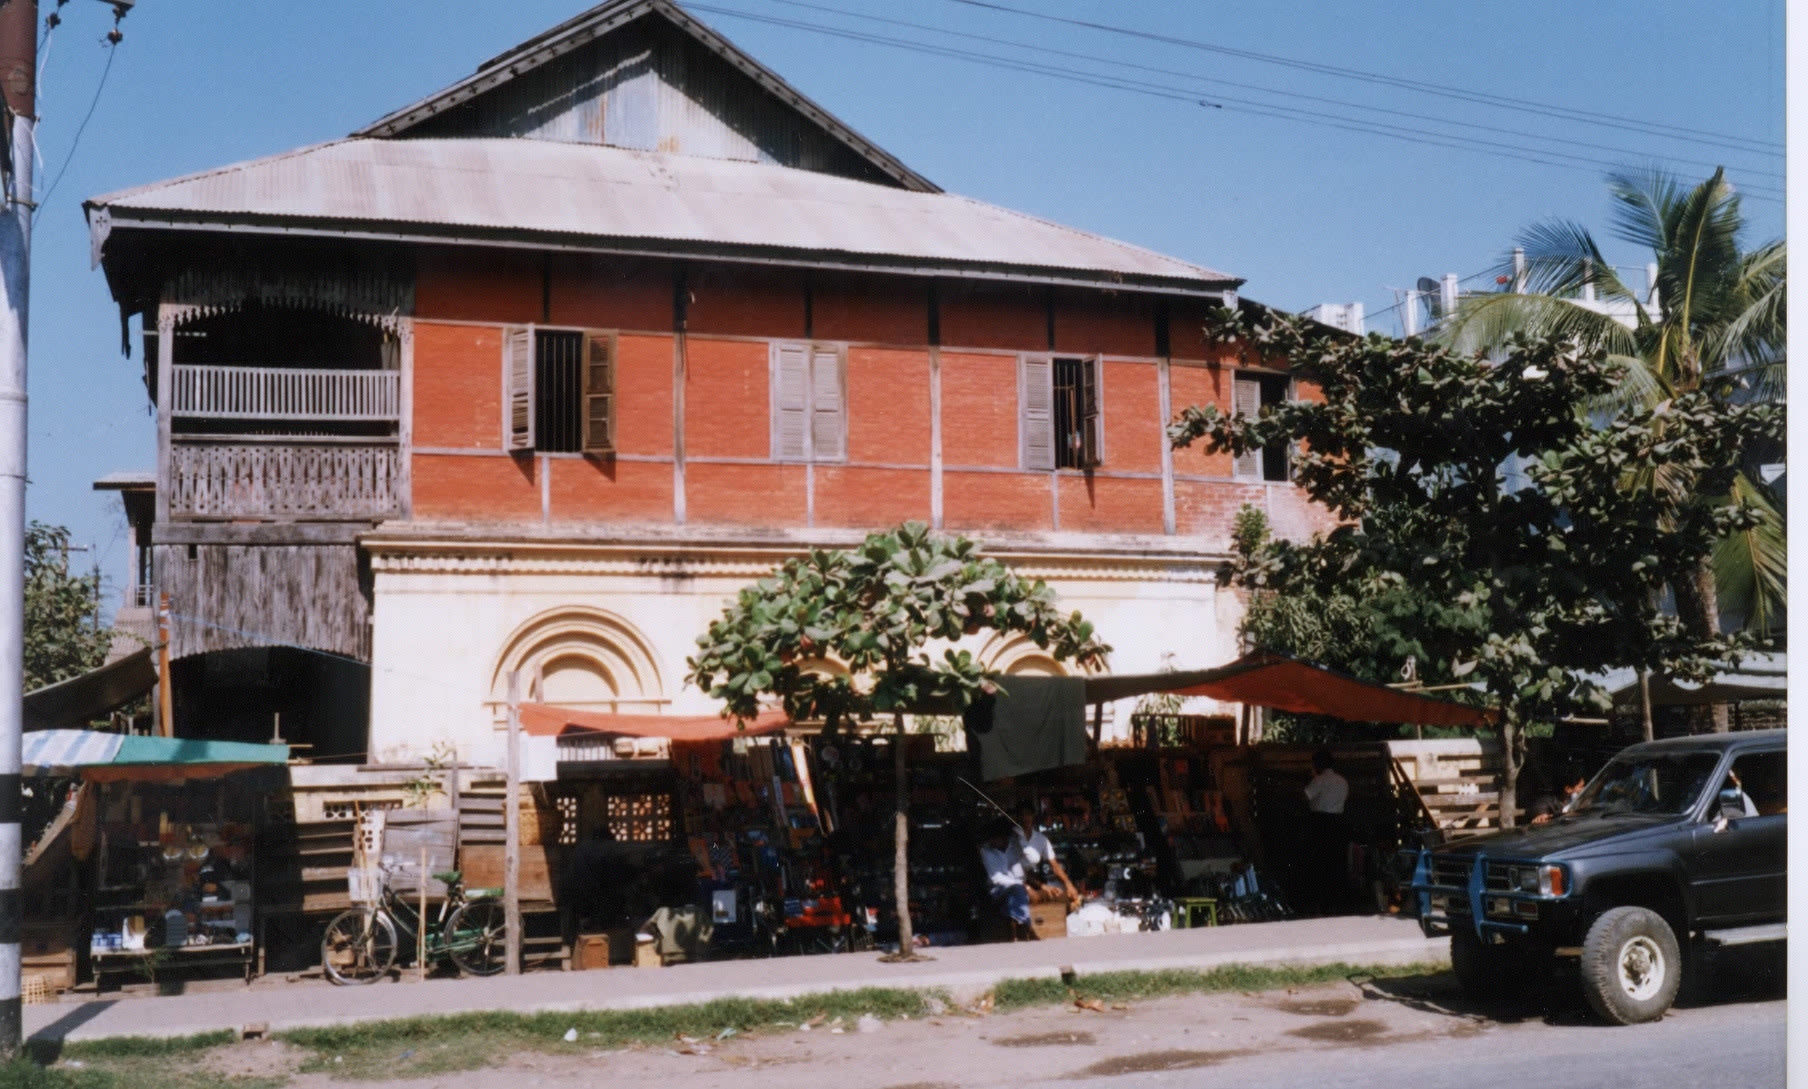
x: 545, y: 720
x: 1287, y: 684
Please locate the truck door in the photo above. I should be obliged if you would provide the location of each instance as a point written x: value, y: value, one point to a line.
x: 1739, y: 871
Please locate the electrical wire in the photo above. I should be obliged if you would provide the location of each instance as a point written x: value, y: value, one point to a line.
x: 1262, y: 89
x: 1482, y: 97
x: 1454, y: 141
x: 112, y: 51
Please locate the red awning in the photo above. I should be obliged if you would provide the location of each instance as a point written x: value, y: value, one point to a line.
x: 545, y: 720
x: 1287, y: 684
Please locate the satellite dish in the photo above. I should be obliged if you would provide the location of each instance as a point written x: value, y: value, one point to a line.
x: 1427, y: 285
x: 1429, y: 290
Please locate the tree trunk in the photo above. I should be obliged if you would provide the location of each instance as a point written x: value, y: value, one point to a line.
x: 1644, y: 682
x: 1511, y: 757
x: 900, y: 865
x: 1698, y: 607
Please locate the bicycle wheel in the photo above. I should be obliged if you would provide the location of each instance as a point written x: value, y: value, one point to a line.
x: 476, y: 938
x: 359, y: 947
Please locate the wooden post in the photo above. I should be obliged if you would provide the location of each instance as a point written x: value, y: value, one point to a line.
x: 1644, y: 679
x: 511, y: 832
x: 420, y: 938
x: 901, y: 853
x: 166, y: 712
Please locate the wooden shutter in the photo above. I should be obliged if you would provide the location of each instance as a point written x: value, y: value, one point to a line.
x: 519, y: 393
x: 599, y: 394
x: 790, y: 402
x: 1036, y: 415
x: 828, y: 407
x: 1092, y: 437
x: 1247, y: 401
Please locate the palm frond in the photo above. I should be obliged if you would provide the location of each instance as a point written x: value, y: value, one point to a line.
x: 1484, y: 322
x: 1643, y: 202
x: 1751, y: 568
x: 1759, y: 300
x: 1700, y: 258
x: 1561, y: 258
x: 1641, y: 387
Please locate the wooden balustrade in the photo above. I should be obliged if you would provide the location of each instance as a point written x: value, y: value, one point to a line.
x: 284, y: 393
x: 317, y: 482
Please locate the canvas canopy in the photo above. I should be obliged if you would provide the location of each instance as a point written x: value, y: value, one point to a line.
x: 545, y: 720
x: 102, y: 757
x: 80, y: 700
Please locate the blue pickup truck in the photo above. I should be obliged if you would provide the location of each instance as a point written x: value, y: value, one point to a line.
x: 1675, y: 845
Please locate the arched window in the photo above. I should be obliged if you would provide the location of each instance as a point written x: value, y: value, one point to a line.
x: 583, y: 658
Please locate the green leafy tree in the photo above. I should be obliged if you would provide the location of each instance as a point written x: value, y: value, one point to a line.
x: 63, y: 638
x: 877, y: 609
x: 1716, y: 324
x: 1523, y: 588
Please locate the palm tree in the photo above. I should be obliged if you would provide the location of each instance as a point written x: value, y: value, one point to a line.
x: 1713, y: 320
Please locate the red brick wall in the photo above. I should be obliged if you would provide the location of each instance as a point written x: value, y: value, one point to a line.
x: 608, y: 489
x: 482, y: 489
x: 1022, y: 501
x: 746, y: 302
x: 726, y: 407
x: 643, y: 394
x: 747, y: 495
x: 1199, y: 386
x: 487, y: 285
x: 870, y: 309
x: 1131, y: 396
x: 1207, y: 509
x: 979, y: 410
x: 610, y: 293
x: 1011, y: 316
x: 857, y: 498
x: 1103, y: 323
x: 888, y: 406
x: 1103, y: 504
x: 457, y: 385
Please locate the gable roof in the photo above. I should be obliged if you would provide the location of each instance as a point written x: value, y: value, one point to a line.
x: 607, y: 18
x: 545, y: 194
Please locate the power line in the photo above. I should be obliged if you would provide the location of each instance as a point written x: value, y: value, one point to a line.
x: 112, y: 51
x: 1502, y: 101
x: 1262, y: 89
x: 1455, y: 141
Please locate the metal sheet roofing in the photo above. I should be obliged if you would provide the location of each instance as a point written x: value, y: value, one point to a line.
x: 544, y: 193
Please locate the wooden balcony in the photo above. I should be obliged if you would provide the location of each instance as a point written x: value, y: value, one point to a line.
x: 285, y: 481
x: 284, y: 393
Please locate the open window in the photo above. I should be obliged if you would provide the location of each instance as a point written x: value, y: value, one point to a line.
x: 1252, y: 393
x: 1059, y: 423
x: 560, y: 391
x: 809, y: 403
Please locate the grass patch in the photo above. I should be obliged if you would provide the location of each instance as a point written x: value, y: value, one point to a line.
x: 416, y: 1047
x: 134, y: 1071
x: 139, y: 1047
x: 1017, y: 994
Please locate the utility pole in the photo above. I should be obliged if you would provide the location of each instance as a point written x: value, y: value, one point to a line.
x: 18, y: 85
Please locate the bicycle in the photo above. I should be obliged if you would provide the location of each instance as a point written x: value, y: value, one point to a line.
x: 361, y: 945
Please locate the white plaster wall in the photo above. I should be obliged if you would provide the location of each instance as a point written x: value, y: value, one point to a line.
x: 438, y: 638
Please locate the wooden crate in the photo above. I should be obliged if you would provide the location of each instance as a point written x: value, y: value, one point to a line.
x: 1049, y: 920
x: 610, y: 949
x: 482, y: 867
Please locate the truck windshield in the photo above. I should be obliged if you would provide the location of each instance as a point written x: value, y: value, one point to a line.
x: 1667, y: 784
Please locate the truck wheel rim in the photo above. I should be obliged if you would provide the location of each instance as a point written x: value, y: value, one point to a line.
x: 1641, y: 968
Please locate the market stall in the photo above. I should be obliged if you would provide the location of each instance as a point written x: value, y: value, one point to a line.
x: 171, y: 827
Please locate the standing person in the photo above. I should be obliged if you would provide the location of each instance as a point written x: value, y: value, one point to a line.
x: 998, y: 853
x: 1038, y: 852
x: 1327, y: 836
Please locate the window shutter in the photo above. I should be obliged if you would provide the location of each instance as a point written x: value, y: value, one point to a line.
x: 1092, y: 437
x: 828, y: 409
x: 1036, y: 418
x: 599, y: 395
x: 1247, y: 401
x: 790, y: 402
x: 519, y: 346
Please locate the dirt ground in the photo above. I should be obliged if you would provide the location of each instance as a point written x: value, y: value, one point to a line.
x: 963, y: 1049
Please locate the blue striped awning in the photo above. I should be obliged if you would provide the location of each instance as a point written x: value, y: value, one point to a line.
x: 63, y: 752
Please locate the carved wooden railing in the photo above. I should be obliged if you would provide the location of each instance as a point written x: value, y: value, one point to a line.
x: 306, y: 481
x: 284, y: 393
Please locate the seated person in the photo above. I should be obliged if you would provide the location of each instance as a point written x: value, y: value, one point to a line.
x: 1040, y: 863
x: 1003, y: 863
x: 680, y: 928
x: 1547, y: 806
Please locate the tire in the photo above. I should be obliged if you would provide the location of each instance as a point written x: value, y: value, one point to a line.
x: 1631, y: 965
x: 359, y: 947
x: 477, y: 938
x: 1487, y: 973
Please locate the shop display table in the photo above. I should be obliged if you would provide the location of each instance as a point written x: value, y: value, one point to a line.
x: 145, y: 964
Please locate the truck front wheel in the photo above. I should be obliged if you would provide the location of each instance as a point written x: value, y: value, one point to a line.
x: 1631, y: 965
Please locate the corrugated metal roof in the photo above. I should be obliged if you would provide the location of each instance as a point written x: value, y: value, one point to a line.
x: 528, y: 191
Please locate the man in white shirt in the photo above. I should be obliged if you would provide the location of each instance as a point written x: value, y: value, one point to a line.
x: 1327, y: 837
x: 1003, y: 861
x: 1037, y: 852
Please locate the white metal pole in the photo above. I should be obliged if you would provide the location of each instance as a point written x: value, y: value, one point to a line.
x: 18, y: 81
x: 511, y: 831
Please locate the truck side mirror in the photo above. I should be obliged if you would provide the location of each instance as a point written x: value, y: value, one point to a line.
x: 1731, y: 804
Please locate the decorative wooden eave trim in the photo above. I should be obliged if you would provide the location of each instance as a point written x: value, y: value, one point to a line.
x: 604, y: 19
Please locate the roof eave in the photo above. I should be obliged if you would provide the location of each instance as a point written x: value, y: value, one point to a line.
x: 105, y: 221
x: 587, y: 28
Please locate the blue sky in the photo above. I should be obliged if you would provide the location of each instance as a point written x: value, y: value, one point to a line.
x: 1305, y: 212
